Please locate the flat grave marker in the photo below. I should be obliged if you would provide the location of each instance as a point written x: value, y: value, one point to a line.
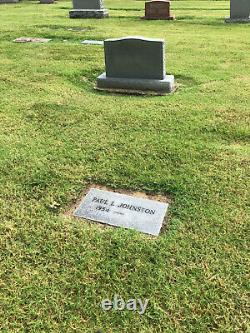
x: 31, y: 40
x: 122, y: 210
x: 92, y: 42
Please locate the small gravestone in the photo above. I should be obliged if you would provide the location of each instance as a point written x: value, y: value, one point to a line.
x: 239, y: 11
x: 88, y: 9
x: 135, y: 65
x: 31, y: 40
x: 158, y: 10
x: 8, y: 1
x: 122, y: 210
x: 46, y: 2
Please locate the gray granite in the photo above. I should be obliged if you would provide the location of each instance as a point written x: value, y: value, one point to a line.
x: 8, y: 1
x: 88, y: 4
x: 135, y: 57
x: 137, y: 86
x: 135, y: 63
x: 86, y: 13
x: 46, y: 2
x: 239, y: 11
x: 122, y: 210
x: 88, y: 9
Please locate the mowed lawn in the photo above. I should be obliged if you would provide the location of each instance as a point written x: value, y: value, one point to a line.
x: 58, y: 135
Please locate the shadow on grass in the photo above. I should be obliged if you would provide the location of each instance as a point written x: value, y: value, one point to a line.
x: 127, y: 9
x: 194, y: 20
x: 200, y: 9
x: 187, y: 81
x: 63, y: 7
x: 85, y: 79
x: 132, y: 18
x: 63, y: 27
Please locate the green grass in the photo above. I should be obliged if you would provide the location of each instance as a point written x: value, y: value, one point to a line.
x: 58, y: 135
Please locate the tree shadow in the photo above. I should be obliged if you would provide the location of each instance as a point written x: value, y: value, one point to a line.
x: 200, y: 9
x: 194, y: 20
x: 127, y: 9
x: 63, y: 27
x: 185, y: 80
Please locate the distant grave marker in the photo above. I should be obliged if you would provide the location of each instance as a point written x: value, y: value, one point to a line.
x: 47, y: 2
x: 135, y: 65
x: 239, y: 11
x: 8, y: 1
x: 92, y: 42
x: 122, y: 210
x: 158, y: 10
x: 88, y: 9
x: 31, y: 40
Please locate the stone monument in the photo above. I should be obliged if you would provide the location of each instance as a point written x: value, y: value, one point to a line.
x: 135, y: 65
x: 88, y: 9
x: 239, y: 11
x: 47, y: 2
x: 8, y: 1
x: 158, y: 10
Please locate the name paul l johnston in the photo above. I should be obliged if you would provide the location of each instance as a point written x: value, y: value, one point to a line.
x: 122, y: 205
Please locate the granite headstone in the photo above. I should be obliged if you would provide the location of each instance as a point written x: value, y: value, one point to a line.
x: 158, y: 10
x: 239, y: 11
x: 88, y: 9
x: 123, y: 211
x: 135, y: 64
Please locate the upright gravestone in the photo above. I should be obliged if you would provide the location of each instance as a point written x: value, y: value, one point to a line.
x: 239, y: 11
x: 135, y: 65
x: 158, y: 10
x: 88, y: 9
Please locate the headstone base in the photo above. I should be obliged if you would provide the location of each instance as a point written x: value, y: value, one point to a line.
x: 88, y: 13
x: 136, y: 86
x: 237, y: 20
x: 169, y: 18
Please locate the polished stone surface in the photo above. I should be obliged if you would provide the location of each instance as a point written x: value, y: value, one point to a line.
x: 136, y: 86
x: 158, y: 10
x: 88, y: 4
x: 122, y: 210
x: 239, y: 11
x: 135, y: 65
x: 135, y: 57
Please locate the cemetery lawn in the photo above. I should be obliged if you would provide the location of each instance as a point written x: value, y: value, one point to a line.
x: 58, y: 135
